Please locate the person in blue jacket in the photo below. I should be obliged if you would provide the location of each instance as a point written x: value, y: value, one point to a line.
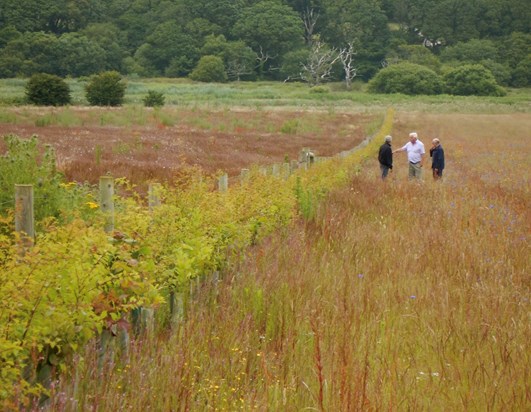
x: 437, y: 159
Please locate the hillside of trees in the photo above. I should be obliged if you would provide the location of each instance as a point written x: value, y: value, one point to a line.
x: 296, y: 40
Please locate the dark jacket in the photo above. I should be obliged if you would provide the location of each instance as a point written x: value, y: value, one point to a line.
x: 437, y: 158
x: 385, y: 155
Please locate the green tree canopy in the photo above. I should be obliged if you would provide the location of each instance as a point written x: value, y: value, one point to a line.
x: 238, y: 58
x: 271, y: 29
x: 416, y: 54
x: 79, y: 56
x: 362, y: 23
x: 166, y: 46
x: 163, y: 37
x: 32, y: 52
x: 471, y: 51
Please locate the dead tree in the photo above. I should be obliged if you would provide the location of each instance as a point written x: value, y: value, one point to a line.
x: 309, y: 18
x: 346, y: 55
x: 262, y: 57
x: 320, y: 63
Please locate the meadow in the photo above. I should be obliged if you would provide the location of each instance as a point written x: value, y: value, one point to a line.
x: 393, y: 295
x: 257, y: 95
x: 398, y: 295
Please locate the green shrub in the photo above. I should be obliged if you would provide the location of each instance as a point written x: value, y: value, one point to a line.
x: 319, y: 89
x: 154, y: 99
x: 209, y: 69
x: 290, y: 126
x: 26, y: 162
x: 47, y: 90
x: 23, y: 164
x: 501, y: 72
x: 106, y: 89
x: 472, y: 79
x: 406, y: 78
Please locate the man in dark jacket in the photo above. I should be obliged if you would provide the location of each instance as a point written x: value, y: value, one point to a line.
x: 437, y: 159
x: 385, y: 157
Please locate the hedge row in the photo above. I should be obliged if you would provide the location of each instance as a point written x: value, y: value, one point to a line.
x: 77, y: 280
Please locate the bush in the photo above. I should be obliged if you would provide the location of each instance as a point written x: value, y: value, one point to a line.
x: 106, y: 89
x: 501, y: 72
x: 24, y: 163
x: 406, y: 78
x: 47, y: 90
x: 153, y: 99
x: 209, y: 69
x: 472, y: 79
x: 319, y: 90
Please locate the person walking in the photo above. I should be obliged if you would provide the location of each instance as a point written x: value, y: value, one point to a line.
x: 385, y: 157
x: 437, y: 159
x: 415, y: 155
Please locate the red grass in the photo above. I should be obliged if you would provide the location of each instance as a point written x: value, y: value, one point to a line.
x: 213, y: 140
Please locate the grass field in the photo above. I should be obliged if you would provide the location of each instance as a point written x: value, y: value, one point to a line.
x: 398, y: 296
x: 218, y: 127
x: 259, y: 95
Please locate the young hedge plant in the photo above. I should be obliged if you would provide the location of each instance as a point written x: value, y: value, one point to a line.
x: 154, y: 99
x: 45, y: 89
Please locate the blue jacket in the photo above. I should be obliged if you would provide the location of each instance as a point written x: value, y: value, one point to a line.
x: 437, y: 158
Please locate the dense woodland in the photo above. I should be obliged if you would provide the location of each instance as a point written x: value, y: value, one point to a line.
x: 267, y: 39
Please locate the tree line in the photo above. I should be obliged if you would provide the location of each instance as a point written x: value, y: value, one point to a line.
x: 306, y: 40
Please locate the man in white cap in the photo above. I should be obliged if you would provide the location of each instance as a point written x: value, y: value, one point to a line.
x: 415, y: 155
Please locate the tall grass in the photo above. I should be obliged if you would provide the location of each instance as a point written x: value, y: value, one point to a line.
x: 397, y: 296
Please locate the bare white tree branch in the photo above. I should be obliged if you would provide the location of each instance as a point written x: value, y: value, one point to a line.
x: 346, y: 55
x: 319, y: 64
x: 309, y: 18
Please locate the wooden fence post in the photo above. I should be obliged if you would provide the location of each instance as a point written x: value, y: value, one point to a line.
x: 176, y: 301
x: 275, y: 169
x: 244, y: 176
x: 286, y: 170
x: 303, y: 160
x: 24, y: 215
x: 293, y: 166
x: 107, y: 201
x: 154, y: 195
x: 223, y: 183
